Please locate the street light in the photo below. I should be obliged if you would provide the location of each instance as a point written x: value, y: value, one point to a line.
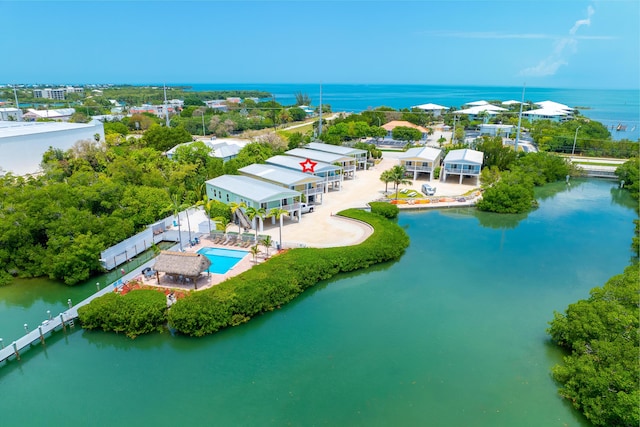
x: 575, y: 137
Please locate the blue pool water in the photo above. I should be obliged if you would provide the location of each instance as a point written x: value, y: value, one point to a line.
x: 222, y: 260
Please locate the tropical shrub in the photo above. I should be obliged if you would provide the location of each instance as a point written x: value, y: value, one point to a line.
x: 387, y: 210
x: 269, y: 285
x: 136, y: 313
x: 513, y: 193
x: 600, y: 375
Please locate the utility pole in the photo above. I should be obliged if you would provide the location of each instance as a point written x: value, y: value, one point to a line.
x: 166, y: 107
x: 519, y: 120
x: 320, y: 123
x: 15, y: 95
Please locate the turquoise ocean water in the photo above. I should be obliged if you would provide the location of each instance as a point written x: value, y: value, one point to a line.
x: 610, y: 107
x: 451, y: 334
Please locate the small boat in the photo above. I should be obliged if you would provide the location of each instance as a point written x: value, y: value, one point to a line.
x: 621, y: 127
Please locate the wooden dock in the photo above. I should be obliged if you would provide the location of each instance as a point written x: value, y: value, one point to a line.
x: 63, y: 320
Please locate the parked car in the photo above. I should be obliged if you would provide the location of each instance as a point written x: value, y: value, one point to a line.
x: 428, y: 190
x: 304, y: 208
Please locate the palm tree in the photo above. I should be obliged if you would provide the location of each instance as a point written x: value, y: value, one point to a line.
x: 222, y: 222
x: 234, y: 207
x: 278, y: 213
x: 255, y: 250
x: 386, y: 178
x: 257, y: 215
x: 267, y: 242
x: 397, y: 177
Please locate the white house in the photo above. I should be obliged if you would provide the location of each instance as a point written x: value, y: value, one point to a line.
x: 434, y: 109
x: 476, y: 110
x: 496, y: 130
x: 464, y: 163
x: 421, y: 160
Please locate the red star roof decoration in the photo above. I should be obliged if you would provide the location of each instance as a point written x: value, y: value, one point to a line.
x: 308, y: 166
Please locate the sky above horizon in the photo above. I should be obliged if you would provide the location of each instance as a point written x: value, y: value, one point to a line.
x: 544, y: 43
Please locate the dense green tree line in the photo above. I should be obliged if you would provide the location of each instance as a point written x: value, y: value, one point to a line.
x: 97, y: 194
x: 601, y: 334
x: 600, y: 374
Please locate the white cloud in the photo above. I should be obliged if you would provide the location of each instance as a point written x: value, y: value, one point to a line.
x: 562, y: 49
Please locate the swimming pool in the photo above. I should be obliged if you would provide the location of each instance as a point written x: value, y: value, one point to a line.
x: 222, y: 260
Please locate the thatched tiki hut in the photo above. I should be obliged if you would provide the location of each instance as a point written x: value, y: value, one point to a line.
x: 181, y: 266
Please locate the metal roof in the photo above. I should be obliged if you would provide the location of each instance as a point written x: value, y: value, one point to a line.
x: 464, y: 156
x: 9, y: 129
x: 251, y: 188
x: 291, y: 162
x: 335, y: 149
x: 423, y: 153
x: 430, y: 107
x: 320, y: 156
x: 278, y: 174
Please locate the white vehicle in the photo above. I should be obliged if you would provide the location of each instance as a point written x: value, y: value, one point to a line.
x: 306, y: 208
x: 428, y: 190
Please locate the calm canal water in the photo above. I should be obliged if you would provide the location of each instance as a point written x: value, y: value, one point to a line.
x: 453, y: 334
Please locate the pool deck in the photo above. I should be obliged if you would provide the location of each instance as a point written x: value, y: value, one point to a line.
x: 208, y: 280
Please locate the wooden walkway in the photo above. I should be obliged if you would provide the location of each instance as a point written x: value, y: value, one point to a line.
x: 63, y: 320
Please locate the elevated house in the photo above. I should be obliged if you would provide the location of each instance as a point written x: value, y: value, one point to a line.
x: 331, y: 174
x: 435, y: 109
x: 254, y: 193
x: 359, y: 155
x: 310, y: 186
x: 421, y: 160
x: 550, y: 110
x: 465, y: 163
x: 474, y: 111
x: 347, y: 163
x: 496, y: 129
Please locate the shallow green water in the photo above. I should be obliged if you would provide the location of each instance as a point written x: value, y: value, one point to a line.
x: 453, y: 334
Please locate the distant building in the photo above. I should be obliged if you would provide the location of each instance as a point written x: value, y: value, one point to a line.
x: 157, y: 110
x: 496, y: 130
x: 56, y: 94
x: 10, y: 114
x: 60, y: 115
x: 22, y: 144
x: 389, y: 127
x: 221, y: 149
x: 434, y: 109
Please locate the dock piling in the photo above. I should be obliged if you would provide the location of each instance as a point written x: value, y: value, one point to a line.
x: 41, y: 335
x: 64, y: 327
x: 15, y: 350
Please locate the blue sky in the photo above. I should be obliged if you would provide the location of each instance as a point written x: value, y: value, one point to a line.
x: 543, y: 43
